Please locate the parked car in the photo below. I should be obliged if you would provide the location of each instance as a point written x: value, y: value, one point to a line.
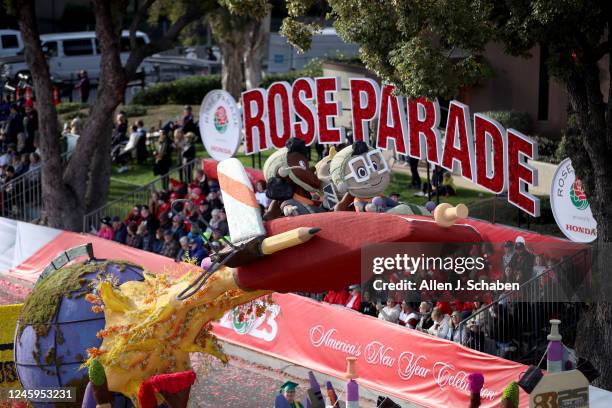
x: 67, y: 54
x: 10, y: 42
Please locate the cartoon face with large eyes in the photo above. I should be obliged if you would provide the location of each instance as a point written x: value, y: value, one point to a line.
x: 360, y: 170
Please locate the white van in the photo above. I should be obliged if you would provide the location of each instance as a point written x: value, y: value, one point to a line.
x: 69, y: 53
x: 10, y: 42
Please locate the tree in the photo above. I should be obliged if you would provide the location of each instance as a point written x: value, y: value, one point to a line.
x: 242, y: 30
x: 229, y: 32
x: 409, y: 43
x: 256, y: 43
x: 73, y: 189
x: 70, y: 190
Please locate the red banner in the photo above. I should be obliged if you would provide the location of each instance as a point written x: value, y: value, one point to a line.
x: 397, y: 361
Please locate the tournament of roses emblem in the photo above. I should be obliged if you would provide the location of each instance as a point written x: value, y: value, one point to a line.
x: 220, y: 119
x: 578, y: 196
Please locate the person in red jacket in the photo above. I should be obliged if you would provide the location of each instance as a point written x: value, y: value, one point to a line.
x: 330, y: 297
x: 355, y: 297
x: 342, y: 297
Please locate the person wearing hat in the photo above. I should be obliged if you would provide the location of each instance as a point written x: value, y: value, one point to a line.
x: 355, y: 300
x: 204, y: 213
x: 106, y: 230
x: 196, y: 250
x: 196, y: 196
x: 290, y: 181
x: 286, y: 398
x: 213, y: 198
x: 522, y: 261
x: 170, y: 246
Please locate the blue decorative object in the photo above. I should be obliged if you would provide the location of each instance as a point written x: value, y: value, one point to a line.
x: 50, y: 355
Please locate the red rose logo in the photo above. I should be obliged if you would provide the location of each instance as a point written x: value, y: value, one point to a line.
x: 221, y: 119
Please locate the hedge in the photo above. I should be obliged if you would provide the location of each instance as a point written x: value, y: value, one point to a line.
x: 191, y: 90
x: 133, y: 110
x: 184, y: 91
x: 66, y: 107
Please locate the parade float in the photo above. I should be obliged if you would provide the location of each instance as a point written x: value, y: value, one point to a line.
x: 133, y: 328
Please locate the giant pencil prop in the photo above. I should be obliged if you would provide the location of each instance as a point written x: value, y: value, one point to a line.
x: 332, y: 260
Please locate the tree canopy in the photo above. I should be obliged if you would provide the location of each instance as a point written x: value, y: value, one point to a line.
x: 432, y: 47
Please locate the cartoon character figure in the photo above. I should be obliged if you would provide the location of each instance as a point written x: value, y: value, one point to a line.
x: 330, y: 193
x: 290, y: 181
x: 360, y: 173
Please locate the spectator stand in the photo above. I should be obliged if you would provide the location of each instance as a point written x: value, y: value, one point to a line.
x: 515, y: 326
x: 21, y: 197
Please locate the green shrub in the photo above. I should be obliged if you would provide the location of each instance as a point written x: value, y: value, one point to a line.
x: 67, y: 107
x: 184, y: 91
x: 132, y: 110
x: 520, y: 121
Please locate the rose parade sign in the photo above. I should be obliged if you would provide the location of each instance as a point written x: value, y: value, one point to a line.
x: 570, y: 206
x: 478, y: 148
x: 220, y: 124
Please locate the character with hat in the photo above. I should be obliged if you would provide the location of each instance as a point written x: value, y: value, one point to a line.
x: 291, y: 181
x: 286, y: 398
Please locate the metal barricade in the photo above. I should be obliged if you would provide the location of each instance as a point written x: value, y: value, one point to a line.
x: 140, y: 195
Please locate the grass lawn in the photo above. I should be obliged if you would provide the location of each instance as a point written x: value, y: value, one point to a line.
x: 400, y: 183
x: 139, y: 175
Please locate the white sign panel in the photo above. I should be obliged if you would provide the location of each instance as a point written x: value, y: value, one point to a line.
x: 220, y: 124
x: 570, y: 205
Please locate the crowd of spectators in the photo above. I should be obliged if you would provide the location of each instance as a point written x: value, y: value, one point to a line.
x: 18, y: 139
x: 494, y: 330
x: 170, y: 144
x: 185, y: 222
